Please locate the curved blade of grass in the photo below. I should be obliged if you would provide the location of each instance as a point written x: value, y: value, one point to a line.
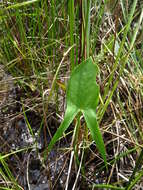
x: 5, y: 188
x: 17, y: 5
x: 137, y: 167
x: 134, y: 182
x: 70, y: 114
x: 105, y: 186
x: 90, y: 118
x: 9, y: 174
x: 72, y: 24
x: 14, y: 152
x: 87, y: 26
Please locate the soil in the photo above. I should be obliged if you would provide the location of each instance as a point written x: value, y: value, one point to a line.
x: 31, y: 166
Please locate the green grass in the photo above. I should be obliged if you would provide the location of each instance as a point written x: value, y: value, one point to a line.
x: 41, y: 44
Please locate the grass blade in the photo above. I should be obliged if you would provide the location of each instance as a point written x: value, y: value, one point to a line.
x: 18, y: 5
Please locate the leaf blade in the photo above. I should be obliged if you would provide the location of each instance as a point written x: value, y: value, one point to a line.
x: 70, y: 114
x: 82, y: 90
x: 90, y: 118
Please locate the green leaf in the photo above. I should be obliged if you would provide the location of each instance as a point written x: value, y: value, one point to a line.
x: 90, y: 118
x: 70, y: 114
x: 82, y: 90
x: 83, y: 96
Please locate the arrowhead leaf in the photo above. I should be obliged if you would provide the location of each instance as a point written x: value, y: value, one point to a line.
x: 82, y: 95
x: 82, y: 90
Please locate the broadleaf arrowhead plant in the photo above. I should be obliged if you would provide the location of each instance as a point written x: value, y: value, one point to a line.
x: 82, y: 96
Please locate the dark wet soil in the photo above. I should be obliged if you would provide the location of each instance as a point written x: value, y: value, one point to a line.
x: 31, y: 166
x: 28, y: 166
